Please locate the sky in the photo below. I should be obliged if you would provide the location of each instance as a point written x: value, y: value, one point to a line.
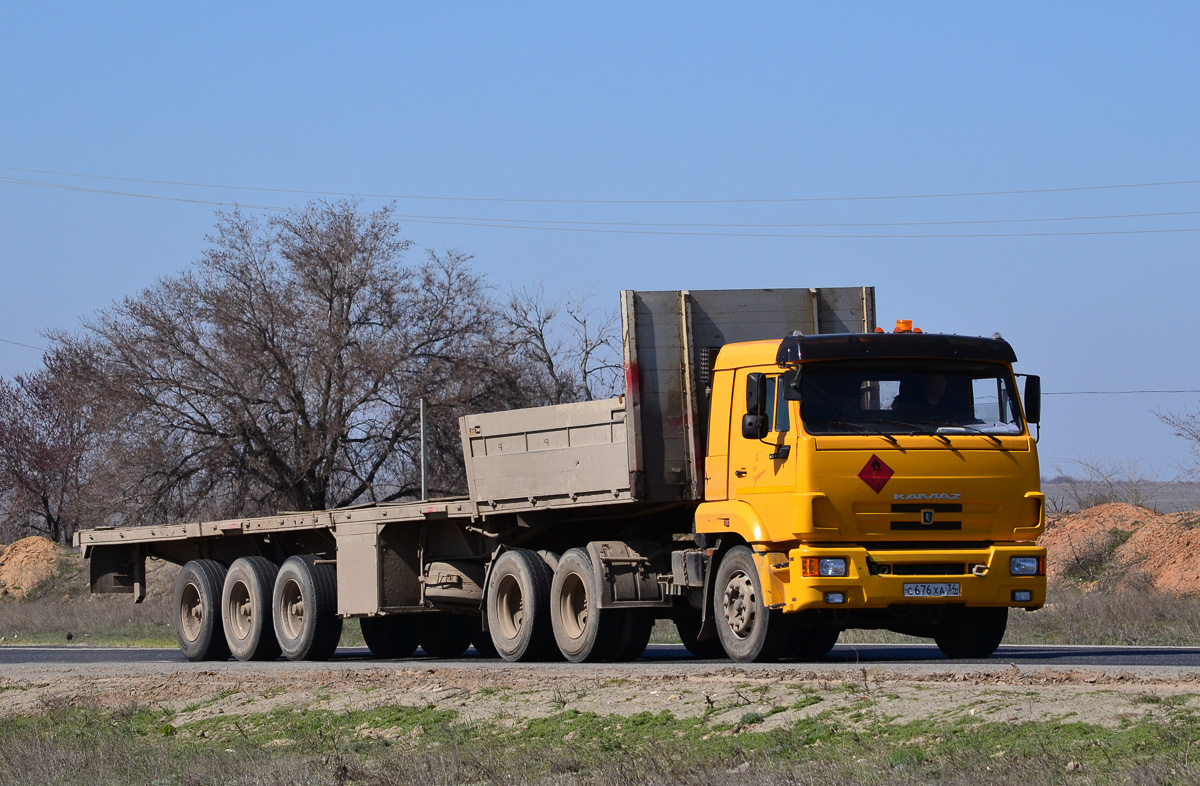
x: 987, y: 167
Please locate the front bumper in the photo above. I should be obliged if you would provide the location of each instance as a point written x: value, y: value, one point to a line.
x: 876, y: 579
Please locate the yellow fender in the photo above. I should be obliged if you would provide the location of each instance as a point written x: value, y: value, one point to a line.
x: 739, y: 518
x: 731, y: 516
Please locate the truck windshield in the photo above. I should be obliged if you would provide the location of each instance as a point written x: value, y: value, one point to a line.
x: 908, y: 397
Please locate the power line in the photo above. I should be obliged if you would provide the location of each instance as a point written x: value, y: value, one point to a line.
x: 716, y: 225
x: 19, y: 344
x: 1113, y: 392
x: 431, y: 197
x: 614, y: 227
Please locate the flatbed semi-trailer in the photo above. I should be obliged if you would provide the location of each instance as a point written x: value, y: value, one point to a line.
x: 758, y: 483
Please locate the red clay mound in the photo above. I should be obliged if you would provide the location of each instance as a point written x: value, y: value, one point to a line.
x: 1136, y: 543
x: 26, y: 564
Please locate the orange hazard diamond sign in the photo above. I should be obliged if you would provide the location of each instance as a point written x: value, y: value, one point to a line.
x: 876, y: 474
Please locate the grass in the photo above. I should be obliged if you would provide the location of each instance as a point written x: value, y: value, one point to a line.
x: 398, y: 744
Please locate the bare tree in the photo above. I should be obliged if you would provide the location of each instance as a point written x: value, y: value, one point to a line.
x: 571, y: 353
x: 286, y: 368
x: 48, y: 449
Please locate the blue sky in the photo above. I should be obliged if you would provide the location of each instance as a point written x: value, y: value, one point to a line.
x: 626, y: 115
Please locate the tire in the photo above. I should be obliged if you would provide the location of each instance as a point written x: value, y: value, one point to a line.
x: 748, y: 630
x: 812, y: 642
x: 198, y: 611
x: 389, y: 637
x: 583, y: 631
x: 246, y: 609
x: 971, y: 633
x: 633, y: 634
x: 443, y: 635
x: 481, y: 640
x: 518, y: 606
x: 706, y: 649
x: 304, y: 609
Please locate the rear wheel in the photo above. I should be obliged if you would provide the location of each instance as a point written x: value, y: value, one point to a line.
x: 633, y: 634
x: 481, y: 640
x: 389, y: 637
x: 198, y: 611
x: 518, y: 606
x: 246, y: 609
x: 583, y: 631
x: 971, y: 633
x: 749, y: 631
x: 443, y: 635
x: 304, y: 609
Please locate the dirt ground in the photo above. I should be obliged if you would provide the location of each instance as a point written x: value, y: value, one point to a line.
x: 26, y: 564
x: 1161, y: 550
x: 512, y: 695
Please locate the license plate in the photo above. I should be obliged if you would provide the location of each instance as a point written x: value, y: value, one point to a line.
x: 945, y: 590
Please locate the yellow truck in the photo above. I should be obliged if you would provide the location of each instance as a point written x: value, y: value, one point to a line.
x: 778, y: 470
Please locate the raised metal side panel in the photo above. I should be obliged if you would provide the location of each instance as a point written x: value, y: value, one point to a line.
x: 358, y: 568
x: 672, y: 338
x: 569, y: 454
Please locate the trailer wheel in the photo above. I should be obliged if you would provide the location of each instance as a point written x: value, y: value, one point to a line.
x: 518, y: 606
x: 633, y: 634
x: 481, y: 640
x: 749, y: 631
x: 689, y: 629
x: 389, y: 637
x: 583, y: 631
x: 197, y: 611
x: 971, y: 633
x: 443, y: 635
x: 812, y: 642
x: 304, y: 609
x: 246, y: 609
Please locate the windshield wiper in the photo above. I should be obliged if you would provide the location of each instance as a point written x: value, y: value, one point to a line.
x: 865, y: 429
x: 973, y: 430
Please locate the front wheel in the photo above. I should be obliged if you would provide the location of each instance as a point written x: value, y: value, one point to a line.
x: 689, y: 632
x: 304, y: 609
x: 749, y: 631
x: 971, y: 633
x: 812, y: 642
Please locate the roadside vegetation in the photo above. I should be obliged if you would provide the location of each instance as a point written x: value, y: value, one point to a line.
x: 397, y: 744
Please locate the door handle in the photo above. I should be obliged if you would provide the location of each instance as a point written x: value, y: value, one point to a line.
x: 741, y: 473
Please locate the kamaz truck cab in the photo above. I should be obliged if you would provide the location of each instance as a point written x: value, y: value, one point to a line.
x: 878, y: 480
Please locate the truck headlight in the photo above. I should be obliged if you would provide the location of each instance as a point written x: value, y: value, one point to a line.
x: 1024, y: 566
x: 823, y: 566
x: 832, y: 566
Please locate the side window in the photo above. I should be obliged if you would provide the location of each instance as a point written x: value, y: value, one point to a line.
x: 777, y: 406
x: 782, y: 419
x: 769, y: 414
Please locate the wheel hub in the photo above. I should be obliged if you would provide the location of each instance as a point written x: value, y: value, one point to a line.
x: 738, y: 605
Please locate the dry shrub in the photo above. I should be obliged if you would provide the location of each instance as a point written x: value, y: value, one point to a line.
x: 1131, y: 616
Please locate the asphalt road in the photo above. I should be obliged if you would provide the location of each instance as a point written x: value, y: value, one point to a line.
x: 917, y: 658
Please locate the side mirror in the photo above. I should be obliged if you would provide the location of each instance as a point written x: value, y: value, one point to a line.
x: 754, y: 426
x: 1033, y: 399
x: 756, y: 394
x: 754, y: 422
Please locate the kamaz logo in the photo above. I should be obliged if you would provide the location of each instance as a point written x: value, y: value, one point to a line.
x: 927, y: 496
